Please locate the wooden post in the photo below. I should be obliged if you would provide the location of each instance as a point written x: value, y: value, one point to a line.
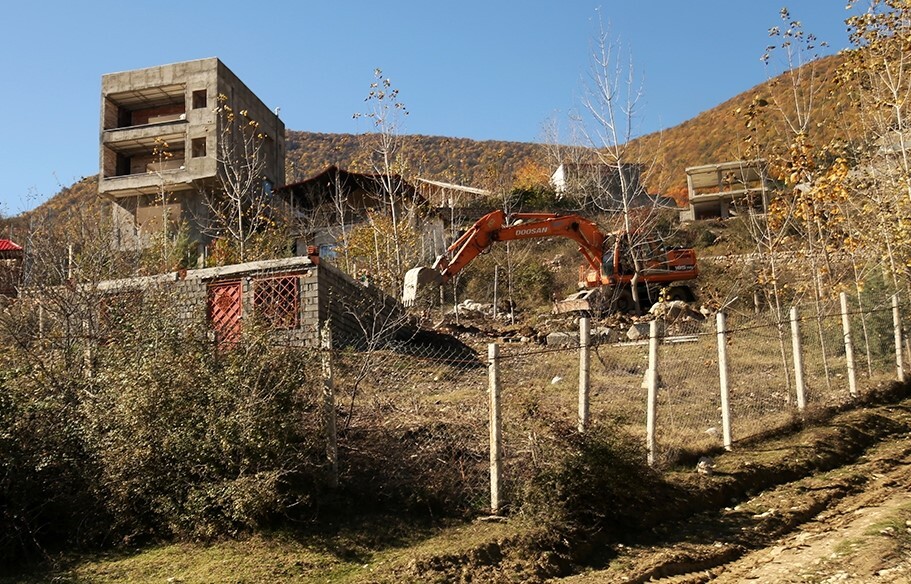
x: 584, y: 383
x: 723, y: 380
x: 897, y: 331
x: 849, y: 346
x: 329, y: 410
x: 652, y: 376
x: 493, y: 388
x: 797, y: 351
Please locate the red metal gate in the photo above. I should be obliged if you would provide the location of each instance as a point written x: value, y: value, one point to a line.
x: 225, y: 308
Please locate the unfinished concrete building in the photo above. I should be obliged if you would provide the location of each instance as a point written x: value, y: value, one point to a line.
x: 163, y: 143
x: 725, y: 189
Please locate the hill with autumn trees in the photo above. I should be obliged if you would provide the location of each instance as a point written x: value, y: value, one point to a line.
x: 716, y: 135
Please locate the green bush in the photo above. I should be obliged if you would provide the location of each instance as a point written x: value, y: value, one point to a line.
x: 151, y: 431
x: 534, y: 282
x: 47, y: 478
x: 597, y: 480
x: 197, y: 443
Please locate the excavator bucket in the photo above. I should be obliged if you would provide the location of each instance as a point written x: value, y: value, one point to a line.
x: 584, y: 301
x: 417, y: 279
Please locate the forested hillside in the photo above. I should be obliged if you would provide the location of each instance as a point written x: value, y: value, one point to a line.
x: 483, y: 164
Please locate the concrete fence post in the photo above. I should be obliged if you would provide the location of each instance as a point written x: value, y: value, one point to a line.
x: 849, y: 345
x: 652, y: 403
x: 797, y: 351
x: 496, y: 450
x: 584, y: 369
x: 897, y: 333
x: 330, y: 412
x: 721, y: 328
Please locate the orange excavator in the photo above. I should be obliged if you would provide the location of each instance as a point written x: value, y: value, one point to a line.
x: 615, y: 262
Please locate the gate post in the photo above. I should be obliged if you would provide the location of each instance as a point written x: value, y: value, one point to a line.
x: 797, y: 351
x: 897, y: 332
x: 721, y: 328
x: 652, y: 375
x: 849, y: 345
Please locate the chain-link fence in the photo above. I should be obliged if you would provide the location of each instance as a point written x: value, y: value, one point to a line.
x: 432, y: 402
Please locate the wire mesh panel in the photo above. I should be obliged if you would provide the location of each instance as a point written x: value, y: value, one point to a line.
x: 424, y: 413
x: 617, y: 391
x: 825, y: 363
x: 539, y: 403
x: 761, y: 379
x: 276, y: 301
x: 873, y: 332
x: 688, y: 409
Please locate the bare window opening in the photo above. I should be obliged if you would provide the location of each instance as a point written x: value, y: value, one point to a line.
x: 198, y: 147
x: 199, y: 99
x: 275, y: 301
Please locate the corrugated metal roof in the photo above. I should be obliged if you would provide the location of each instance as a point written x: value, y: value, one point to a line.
x: 8, y: 245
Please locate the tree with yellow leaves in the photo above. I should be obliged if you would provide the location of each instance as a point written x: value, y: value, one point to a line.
x: 240, y: 208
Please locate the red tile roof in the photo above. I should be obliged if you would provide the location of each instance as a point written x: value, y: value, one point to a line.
x: 8, y: 245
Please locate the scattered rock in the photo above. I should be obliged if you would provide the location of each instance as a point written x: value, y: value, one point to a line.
x: 674, y: 310
x: 637, y: 331
x: 561, y: 339
x: 705, y: 466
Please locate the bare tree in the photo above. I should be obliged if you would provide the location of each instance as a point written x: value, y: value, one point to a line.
x: 387, y: 112
x: 239, y: 205
x: 610, y: 106
x: 878, y: 70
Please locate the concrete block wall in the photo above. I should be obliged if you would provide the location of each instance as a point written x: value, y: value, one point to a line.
x: 354, y: 311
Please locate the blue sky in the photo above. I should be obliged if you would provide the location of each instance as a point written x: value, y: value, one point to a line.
x: 491, y: 70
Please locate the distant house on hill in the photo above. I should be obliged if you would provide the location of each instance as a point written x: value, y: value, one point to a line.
x: 11, y: 256
x: 335, y: 200
x: 601, y: 186
x: 727, y: 188
x: 448, y: 195
x: 457, y: 205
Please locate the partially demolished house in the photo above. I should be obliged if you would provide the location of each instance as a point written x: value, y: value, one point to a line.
x: 334, y: 201
x: 601, y: 186
x: 726, y: 189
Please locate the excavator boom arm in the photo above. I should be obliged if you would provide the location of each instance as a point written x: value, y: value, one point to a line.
x: 492, y: 227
